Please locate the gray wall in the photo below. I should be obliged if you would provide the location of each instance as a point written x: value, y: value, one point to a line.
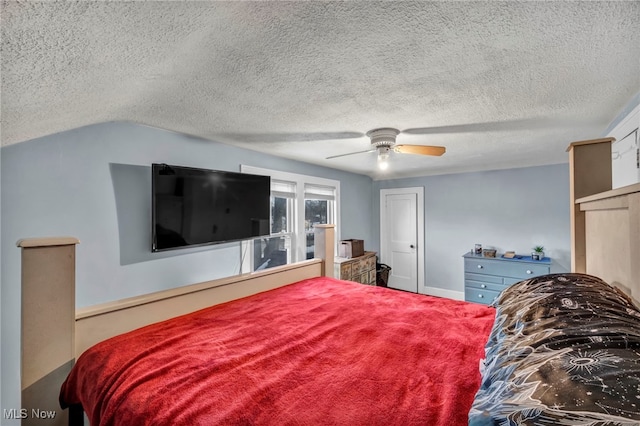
x: 1, y: 341
x: 506, y: 209
x: 94, y: 183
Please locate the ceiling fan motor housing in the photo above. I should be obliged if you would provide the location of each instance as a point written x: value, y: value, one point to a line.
x: 385, y: 137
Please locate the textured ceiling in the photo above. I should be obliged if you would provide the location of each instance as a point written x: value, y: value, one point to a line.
x: 499, y: 84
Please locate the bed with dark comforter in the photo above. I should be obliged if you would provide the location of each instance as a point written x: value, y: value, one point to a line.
x: 564, y: 350
x: 318, y: 352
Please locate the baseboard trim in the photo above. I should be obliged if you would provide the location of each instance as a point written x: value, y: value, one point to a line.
x: 441, y: 292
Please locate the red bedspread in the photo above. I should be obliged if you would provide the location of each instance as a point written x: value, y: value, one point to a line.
x: 318, y: 352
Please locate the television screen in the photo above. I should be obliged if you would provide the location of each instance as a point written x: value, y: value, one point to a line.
x: 193, y: 207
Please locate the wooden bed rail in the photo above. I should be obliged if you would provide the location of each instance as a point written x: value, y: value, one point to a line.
x: 99, y: 322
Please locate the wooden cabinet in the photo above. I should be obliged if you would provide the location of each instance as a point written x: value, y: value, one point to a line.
x: 360, y: 269
x: 486, y: 277
x: 589, y: 174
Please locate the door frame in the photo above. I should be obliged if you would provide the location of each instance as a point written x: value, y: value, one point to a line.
x: 420, y: 250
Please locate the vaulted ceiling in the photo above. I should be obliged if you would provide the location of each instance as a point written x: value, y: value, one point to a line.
x: 498, y: 84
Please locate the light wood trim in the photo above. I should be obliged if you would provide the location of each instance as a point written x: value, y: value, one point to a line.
x: 46, y: 242
x: 605, y: 204
x: 590, y: 142
x: 629, y: 189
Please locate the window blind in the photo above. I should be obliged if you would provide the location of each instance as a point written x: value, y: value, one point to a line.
x: 283, y: 189
x: 317, y: 192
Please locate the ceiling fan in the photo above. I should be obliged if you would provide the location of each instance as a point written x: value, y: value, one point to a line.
x: 383, y: 141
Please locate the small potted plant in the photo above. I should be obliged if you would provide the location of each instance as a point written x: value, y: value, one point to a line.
x: 537, y: 253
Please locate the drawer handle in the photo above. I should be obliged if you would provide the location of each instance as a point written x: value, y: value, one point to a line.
x: 529, y: 271
x: 480, y: 296
x: 479, y: 266
x: 483, y: 285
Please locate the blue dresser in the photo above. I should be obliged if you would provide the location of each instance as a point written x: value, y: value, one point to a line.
x: 486, y: 277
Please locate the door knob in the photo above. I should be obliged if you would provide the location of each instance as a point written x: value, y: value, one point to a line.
x: 412, y: 246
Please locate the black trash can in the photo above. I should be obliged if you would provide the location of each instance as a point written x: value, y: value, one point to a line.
x: 382, y: 274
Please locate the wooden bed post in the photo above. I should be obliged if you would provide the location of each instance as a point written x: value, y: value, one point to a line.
x: 589, y: 173
x: 324, y: 247
x: 47, y: 326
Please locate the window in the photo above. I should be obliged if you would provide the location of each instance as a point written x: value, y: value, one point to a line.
x: 298, y: 202
x: 275, y: 250
x: 319, y: 204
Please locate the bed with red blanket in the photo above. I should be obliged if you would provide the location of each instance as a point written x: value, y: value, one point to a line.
x: 320, y: 351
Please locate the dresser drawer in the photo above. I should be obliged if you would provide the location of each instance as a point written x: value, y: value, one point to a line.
x: 481, y: 285
x: 345, y: 271
x: 483, y: 296
x: 365, y: 278
x: 505, y: 269
x: 363, y: 265
x: 483, y: 266
x: 371, y: 263
x: 525, y: 270
x: 485, y: 278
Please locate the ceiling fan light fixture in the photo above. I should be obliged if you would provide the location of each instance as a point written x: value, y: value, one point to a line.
x: 383, y: 164
x: 383, y: 157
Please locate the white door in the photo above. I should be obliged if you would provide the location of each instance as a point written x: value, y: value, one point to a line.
x: 401, y: 236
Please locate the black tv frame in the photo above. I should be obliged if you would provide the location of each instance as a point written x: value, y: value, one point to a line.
x: 260, y: 225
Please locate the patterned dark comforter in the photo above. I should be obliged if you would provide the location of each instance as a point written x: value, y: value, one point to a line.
x: 564, y: 350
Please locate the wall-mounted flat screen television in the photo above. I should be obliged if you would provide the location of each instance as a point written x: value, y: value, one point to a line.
x: 195, y: 207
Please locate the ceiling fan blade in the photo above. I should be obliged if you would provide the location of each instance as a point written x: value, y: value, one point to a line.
x: 420, y: 149
x: 493, y: 126
x: 351, y: 153
x: 290, y: 137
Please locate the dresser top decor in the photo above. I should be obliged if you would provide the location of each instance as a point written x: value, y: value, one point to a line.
x: 517, y: 258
